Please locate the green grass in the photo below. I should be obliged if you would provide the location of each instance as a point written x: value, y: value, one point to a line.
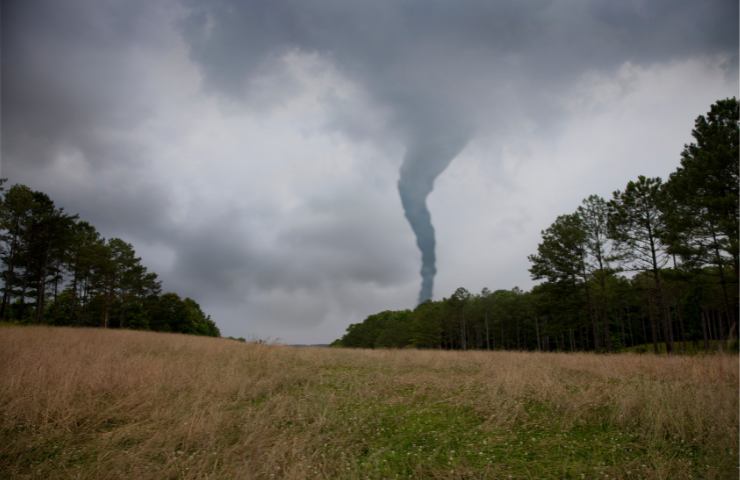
x: 400, y: 441
x: 413, y: 436
x: 422, y: 438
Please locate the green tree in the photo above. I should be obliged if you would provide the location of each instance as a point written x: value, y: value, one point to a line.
x: 458, y: 302
x: 594, y: 215
x: 396, y: 331
x: 426, y: 321
x: 702, y: 221
x: 86, y: 245
x: 64, y: 310
x: 169, y: 314
x: 46, y: 240
x: 561, y: 260
x: 15, y: 214
x: 75, y: 277
x: 561, y: 254
x: 196, y: 321
x: 637, y: 226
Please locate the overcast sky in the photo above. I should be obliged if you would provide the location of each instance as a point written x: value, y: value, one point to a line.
x: 250, y: 150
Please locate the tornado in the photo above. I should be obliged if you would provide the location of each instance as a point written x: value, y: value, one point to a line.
x: 424, y: 160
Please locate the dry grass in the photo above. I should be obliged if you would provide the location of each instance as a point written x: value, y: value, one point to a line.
x: 80, y: 403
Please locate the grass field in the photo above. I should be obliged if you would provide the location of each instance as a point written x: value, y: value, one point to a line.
x: 79, y: 403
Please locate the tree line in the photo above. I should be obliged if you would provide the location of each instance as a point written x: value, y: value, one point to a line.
x: 59, y: 270
x: 654, y: 266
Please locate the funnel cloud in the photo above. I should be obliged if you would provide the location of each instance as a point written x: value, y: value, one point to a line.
x: 422, y: 164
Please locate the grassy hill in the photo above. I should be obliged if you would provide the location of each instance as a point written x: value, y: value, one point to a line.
x: 79, y: 403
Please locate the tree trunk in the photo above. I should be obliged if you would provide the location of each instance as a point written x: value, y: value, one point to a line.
x: 488, y: 334
x: 605, y: 312
x: 653, y: 329
x: 665, y: 320
x: 667, y: 329
x: 710, y: 326
x: 681, y: 328
x: 629, y: 329
x: 8, y: 276
x: 463, y: 340
x: 503, y: 344
x: 722, y: 278
x: 594, y: 322
x: 40, y: 295
x: 106, y: 306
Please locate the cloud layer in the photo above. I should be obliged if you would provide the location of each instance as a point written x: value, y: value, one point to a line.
x: 251, y: 150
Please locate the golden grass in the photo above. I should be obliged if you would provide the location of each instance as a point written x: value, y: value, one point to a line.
x: 89, y: 403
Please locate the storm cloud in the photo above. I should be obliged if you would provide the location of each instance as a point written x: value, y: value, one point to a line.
x: 442, y: 69
x: 251, y: 151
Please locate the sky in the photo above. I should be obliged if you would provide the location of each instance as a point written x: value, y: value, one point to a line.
x: 251, y: 150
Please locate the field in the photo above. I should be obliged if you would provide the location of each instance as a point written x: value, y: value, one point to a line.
x: 80, y: 403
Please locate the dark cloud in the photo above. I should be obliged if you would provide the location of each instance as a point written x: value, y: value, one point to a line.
x: 72, y: 77
x: 441, y: 68
x: 323, y: 243
x: 71, y: 99
x: 332, y: 240
x: 421, y: 55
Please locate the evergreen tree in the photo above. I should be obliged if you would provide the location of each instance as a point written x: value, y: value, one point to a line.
x: 703, y: 193
x: 594, y: 215
x: 637, y: 226
x: 15, y: 218
x: 75, y: 277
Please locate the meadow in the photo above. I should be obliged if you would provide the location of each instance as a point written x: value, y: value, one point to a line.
x: 104, y: 404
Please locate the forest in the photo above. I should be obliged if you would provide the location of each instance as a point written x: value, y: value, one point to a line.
x: 59, y: 270
x: 654, y: 267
